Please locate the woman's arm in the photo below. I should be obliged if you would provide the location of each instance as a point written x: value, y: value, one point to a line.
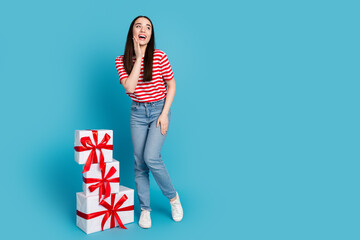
x: 131, y: 82
x: 163, y: 118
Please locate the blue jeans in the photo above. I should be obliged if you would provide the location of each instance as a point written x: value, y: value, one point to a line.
x: 147, y: 142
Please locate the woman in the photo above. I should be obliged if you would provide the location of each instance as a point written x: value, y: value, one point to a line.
x: 145, y: 72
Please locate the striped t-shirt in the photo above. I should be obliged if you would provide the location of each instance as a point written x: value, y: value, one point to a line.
x: 154, y: 90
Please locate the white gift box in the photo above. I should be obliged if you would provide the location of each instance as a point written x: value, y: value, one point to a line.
x: 102, y: 136
x: 95, y: 173
x: 89, y: 206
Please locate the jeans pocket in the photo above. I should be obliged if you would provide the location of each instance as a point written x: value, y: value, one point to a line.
x: 134, y: 107
x: 159, y: 106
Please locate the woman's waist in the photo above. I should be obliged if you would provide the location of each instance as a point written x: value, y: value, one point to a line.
x: 152, y: 103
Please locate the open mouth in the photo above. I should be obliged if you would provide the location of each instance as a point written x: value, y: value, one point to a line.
x: 142, y: 37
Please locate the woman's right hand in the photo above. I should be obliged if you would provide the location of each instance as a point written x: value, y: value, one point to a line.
x: 137, y: 48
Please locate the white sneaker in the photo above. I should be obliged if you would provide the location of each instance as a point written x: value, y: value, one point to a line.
x: 176, y: 209
x: 145, y: 220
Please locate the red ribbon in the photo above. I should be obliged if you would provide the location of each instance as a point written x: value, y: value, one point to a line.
x: 102, y: 183
x: 110, y: 212
x: 88, y: 145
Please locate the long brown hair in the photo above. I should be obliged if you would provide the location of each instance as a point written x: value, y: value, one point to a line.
x: 149, y: 53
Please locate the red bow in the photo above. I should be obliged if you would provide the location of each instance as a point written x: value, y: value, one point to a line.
x: 110, y: 212
x: 103, y: 184
x: 88, y: 145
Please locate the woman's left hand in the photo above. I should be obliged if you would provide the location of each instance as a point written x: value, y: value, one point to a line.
x: 164, y: 123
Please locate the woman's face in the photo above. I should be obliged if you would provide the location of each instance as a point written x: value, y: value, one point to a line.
x: 142, y: 30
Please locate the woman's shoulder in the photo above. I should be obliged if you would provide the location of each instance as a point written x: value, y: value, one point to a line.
x: 159, y: 52
x: 119, y: 59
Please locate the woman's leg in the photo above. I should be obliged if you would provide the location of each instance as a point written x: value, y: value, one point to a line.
x: 152, y: 157
x: 139, y: 132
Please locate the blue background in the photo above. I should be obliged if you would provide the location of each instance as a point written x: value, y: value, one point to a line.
x: 264, y: 136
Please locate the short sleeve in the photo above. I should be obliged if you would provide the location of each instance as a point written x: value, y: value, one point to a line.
x: 119, y: 63
x: 166, y: 70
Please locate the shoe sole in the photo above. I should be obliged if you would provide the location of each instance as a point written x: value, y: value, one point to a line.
x: 145, y: 226
x: 177, y: 219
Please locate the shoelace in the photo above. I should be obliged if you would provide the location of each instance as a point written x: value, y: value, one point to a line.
x: 146, y: 215
x: 176, y: 207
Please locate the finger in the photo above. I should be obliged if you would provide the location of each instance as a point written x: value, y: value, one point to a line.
x: 157, y: 124
x: 135, y: 40
x: 164, y: 131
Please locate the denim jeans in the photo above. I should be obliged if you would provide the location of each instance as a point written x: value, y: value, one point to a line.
x: 147, y: 142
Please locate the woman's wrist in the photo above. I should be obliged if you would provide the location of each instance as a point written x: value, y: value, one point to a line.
x: 165, y: 112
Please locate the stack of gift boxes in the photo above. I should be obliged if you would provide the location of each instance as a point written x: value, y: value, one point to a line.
x: 103, y: 204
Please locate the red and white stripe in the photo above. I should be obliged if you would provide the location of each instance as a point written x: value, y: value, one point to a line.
x: 154, y: 90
